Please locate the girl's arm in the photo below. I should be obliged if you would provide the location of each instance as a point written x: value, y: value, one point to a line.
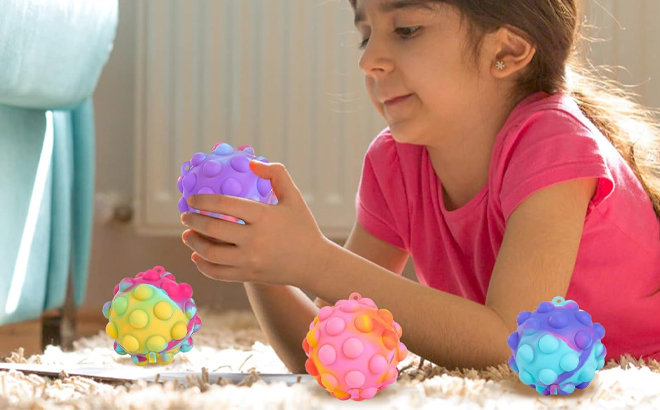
x: 360, y: 242
x: 285, y: 312
x: 535, y: 263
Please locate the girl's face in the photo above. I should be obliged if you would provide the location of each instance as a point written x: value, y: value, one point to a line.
x: 419, y: 69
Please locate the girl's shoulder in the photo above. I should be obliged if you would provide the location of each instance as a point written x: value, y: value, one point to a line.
x: 547, y: 140
x: 556, y: 113
x: 383, y: 144
x: 385, y: 147
x: 553, y: 125
x: 393, y: 159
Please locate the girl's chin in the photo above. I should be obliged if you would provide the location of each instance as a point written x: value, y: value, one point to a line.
x: 402, y: 135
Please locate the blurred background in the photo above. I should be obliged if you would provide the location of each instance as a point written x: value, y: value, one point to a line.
x: 281, y: 76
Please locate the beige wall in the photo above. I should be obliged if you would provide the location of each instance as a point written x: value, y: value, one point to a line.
x: 117, y: 251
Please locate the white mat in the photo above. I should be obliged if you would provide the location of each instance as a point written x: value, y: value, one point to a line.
x: 234, y: 343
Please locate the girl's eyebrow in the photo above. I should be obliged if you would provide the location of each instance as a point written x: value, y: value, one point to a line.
x: 390, y: 6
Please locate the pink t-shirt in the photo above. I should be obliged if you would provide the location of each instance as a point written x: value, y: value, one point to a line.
x: 545, y: 140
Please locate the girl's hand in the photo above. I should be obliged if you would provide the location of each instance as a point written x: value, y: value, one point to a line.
x: 278, y: 244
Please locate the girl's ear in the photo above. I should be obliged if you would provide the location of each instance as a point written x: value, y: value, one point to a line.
x: 512, y: 50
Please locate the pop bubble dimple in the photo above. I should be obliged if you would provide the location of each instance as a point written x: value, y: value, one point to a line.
x: 353, y: 348
x: 557, y: 349
x: 152, y: 317
x: 225, y: 171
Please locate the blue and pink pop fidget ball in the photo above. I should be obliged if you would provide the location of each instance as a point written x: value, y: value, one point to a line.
x: 557, y: 348
x: 225, y: 171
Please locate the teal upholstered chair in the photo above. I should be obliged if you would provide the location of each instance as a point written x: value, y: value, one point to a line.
x: 51, y: 56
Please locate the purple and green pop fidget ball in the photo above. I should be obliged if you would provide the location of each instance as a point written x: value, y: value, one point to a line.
x: 557, y: 349
x: 224, y: 171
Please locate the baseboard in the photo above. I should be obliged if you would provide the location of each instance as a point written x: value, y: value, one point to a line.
x: 27, y: 334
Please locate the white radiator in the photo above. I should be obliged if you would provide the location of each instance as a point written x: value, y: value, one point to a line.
x: 279, y: 75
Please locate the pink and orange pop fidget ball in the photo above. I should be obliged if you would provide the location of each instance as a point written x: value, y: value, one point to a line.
x: 353, y: 348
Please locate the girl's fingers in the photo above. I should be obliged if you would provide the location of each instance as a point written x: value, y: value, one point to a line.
x: 215, y: 228
x: 241, y: 208
x: 217, y: 272
x: 217, y: 253
x: 283, y: 186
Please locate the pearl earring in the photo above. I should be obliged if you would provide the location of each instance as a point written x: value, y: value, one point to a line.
x: 500, y: 65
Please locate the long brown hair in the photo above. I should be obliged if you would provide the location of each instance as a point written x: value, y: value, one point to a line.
x: 559, y: 65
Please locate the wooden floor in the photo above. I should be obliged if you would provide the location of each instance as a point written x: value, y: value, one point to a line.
x: 28, y: 334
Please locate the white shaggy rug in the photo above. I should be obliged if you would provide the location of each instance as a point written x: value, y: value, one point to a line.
x: 233, y: 342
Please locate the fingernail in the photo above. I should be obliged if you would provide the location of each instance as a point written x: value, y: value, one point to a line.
x: 190, y: 200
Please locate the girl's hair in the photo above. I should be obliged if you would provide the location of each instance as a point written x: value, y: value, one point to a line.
x: 553, y: 28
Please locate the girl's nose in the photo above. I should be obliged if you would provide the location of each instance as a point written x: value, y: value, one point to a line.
x: 376, y: 59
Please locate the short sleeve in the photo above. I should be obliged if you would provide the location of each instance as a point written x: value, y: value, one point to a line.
x: 552, y: 147
x: 381, y: 201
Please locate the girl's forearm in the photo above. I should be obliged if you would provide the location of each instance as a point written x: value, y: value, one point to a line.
x: 284, y: 314
x: 448, y: 330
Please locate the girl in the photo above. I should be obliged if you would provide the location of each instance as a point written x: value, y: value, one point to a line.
x: 507, y: 173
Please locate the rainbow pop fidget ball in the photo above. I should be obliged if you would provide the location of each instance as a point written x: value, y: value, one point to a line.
x: 224, y: 171
x: 353, y: 348
x: 152, y: 317
x: 557, y: 348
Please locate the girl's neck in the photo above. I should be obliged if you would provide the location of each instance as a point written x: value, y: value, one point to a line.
x: 461, y: 162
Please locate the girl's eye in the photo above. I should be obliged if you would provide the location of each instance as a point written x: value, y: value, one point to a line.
x: 406, y: 32
x: 403, y: 32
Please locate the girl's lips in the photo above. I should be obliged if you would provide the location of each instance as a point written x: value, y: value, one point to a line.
x: 397, y: 100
